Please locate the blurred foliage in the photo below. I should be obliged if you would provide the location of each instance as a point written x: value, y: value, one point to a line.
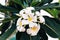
x: 52, y: 26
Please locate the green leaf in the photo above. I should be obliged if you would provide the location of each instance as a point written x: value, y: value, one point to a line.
x: 9, y: 19
x: 8, y: 32
x: 49, y: 31
x: 34, y: 2
x: 25, y: 36
x: 3, y: 27
x: 52, y: 5
x: 15, y: 5
x: 40, y: 2
x: 53, y: 12
x: 5, y: 9
x: 53, y: 25
x: 47, y: 1
x: 29, y: 2
x: 18, y: 2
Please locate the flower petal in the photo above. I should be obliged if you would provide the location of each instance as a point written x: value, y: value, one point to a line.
x: 42, y: 20
x: 35, y: 19
x: 30, y: 8
x: 21, y: 12
x: 33, y: 34
x: 18, y: 22
x: 44, y: 13
x: 34, y: 30
x: 31, y: 24
x: 21, y: 29
x: 25, y: 22
x: 37, y: 13
x: 24, y: 16
x: 28, y: 31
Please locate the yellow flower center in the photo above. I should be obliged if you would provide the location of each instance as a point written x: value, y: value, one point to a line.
x: 20, y: 24
x: 34, y: 28
x: 29, y: 18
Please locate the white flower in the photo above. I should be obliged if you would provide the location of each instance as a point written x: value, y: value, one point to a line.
x: 22, y: 12
x: 37, y: 13
x: 27, y: 10
x: 32, y: 24
x: 34, y: 29
x: 20, y: 25
x: 24, y: 16
x: 21, y: 29
x: 29, y: 18
x: 44, y: 13
x: 41, y: 19
x: 32, y: 18
x: 25, y: 22
x: 21, y: 22
x: 30, y: 8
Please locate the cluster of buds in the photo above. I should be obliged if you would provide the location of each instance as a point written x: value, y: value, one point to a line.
x: 30, y: 17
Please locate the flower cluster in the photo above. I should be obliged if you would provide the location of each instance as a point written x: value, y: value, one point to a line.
x: 29, y: 16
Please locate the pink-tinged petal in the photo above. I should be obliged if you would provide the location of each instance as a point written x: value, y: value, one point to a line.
x: 21, y: 29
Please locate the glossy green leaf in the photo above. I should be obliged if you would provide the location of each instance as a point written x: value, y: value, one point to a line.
x: 9, y: 19
x: 47, y: 1
x: 8, y: 32
x: 18, y: 2
x: 15, y: 5
x: 40, y: 2
x: 25, y: 36
x: 53, y: 12
x: 52, y: 5
x: 35, y: 2
x: 4, y: 27
x: 49, y: 31
x: 53, y: 25
x: 5, y: 9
